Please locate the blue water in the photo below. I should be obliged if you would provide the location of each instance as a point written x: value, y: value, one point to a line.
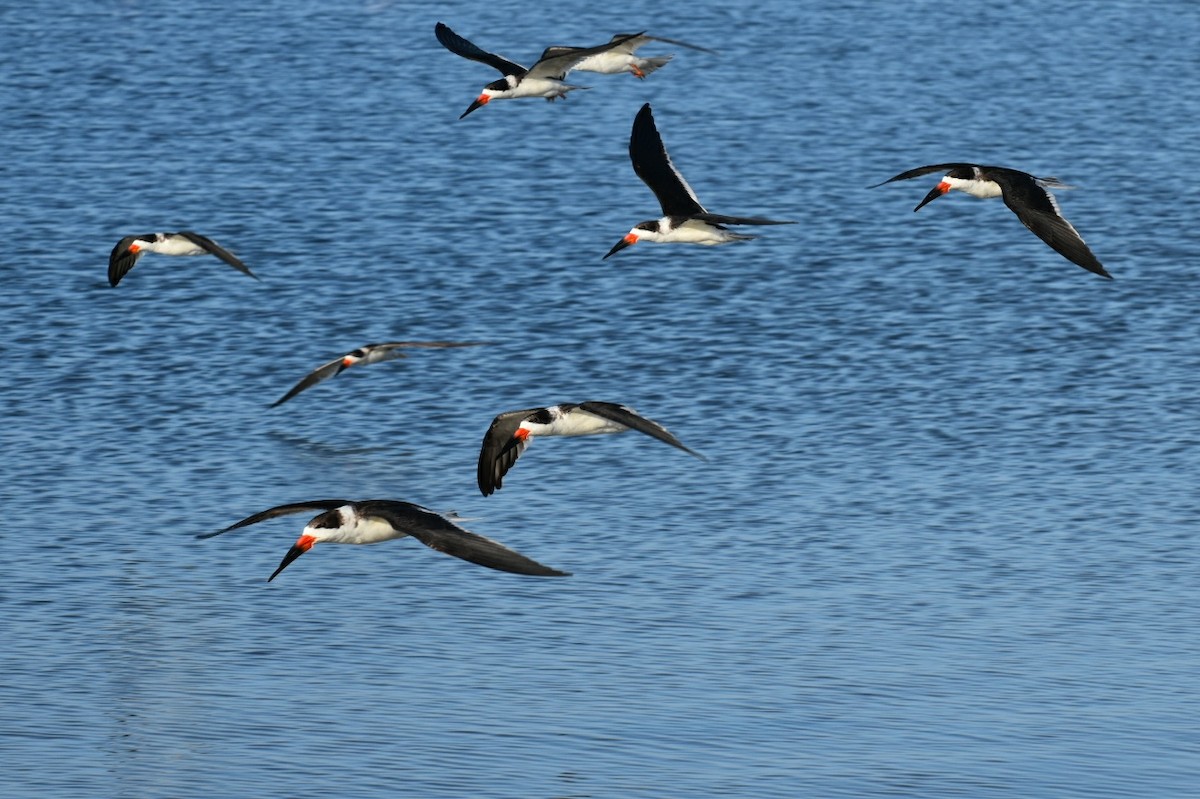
x: 945, y: 544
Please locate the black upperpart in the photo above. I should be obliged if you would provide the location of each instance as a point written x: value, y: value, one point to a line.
x: 329, y: 520
x: 541, y: 416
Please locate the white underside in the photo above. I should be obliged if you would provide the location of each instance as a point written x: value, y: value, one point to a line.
x: 534, y: 87
x: 575, y: 423
x: 172, y: 246
x: 378, y: 356
x: 615, y: 62
x: 607, y: 63
x: 692, y: 231
x: 984, y: 189
x: 355, y: 530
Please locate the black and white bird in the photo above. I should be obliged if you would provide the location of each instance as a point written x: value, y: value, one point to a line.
x: 371, y: 521
x: 624, y: 58
x: 1025, y: 195
x: 544, y: 79
x: 684, y: 219
x: 509, y: 434
x: 366, y: 354
x: 131, y: 248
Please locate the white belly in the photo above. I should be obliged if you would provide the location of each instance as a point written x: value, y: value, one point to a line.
x: 983, y: 189
x: 696, y: 232
x: 575, y: 423
x: 175, y: 246
x: 541, y: 87
x: 368, y: 531
x: 607, y: 63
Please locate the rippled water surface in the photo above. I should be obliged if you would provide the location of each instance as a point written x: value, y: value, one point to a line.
x: 945, y: 541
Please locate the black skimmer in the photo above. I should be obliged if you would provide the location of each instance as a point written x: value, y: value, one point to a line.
x: 623, y: 58
x: 509, y: 433
x: 543, y: 79
x: 684, y: 218
x: 1025, y: 195
x: 370, y: 521
x: 129, y: 249
x: 367, y: 354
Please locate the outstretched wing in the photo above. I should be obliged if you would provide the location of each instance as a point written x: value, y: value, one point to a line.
x: 121, y: 260
x: 722, y: 219
x: 322, y: 372
x: 923, y: 170
x: 624, y: 415
x: 211, y: 246
x: 282, y: 510
x: 653, y: 165
x: 461, y: 47
x: 632, y: 41
x: 437, y: 532
x: 500, y: 449
x: 1037, y: 209
x: 557, y: 61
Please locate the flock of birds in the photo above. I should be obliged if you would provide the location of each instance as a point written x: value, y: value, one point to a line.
x: 683, y: 220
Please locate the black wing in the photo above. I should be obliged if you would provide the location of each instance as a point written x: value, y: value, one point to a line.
x: 722, y: 219
x: 437, y: 532
x: 121, y: 260
x: 1035, y: 206
x: 654, y: 167
x: 282, y: 510
x: 461, y: 47
x: 500, y: 450
x: 322, y: 372
x: 924, y: 170
x: 624, y: 415
x: 216, y: 249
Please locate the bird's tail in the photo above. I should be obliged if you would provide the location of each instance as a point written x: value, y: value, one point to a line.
x: 562, y: 92
x: 649, y: 65
x: 1053, y: 183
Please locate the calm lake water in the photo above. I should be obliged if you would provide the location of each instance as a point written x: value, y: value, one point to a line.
x: 945, y: 542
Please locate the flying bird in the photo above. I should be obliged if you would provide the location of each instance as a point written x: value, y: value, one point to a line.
x: 1025, y: 195
x: 509, y: 434
x: 367, y: 354
x: 543, y: 79
x: 623, y: 58
x: 131, y: 248
x: 371, y: 521
x: 684, y: 219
